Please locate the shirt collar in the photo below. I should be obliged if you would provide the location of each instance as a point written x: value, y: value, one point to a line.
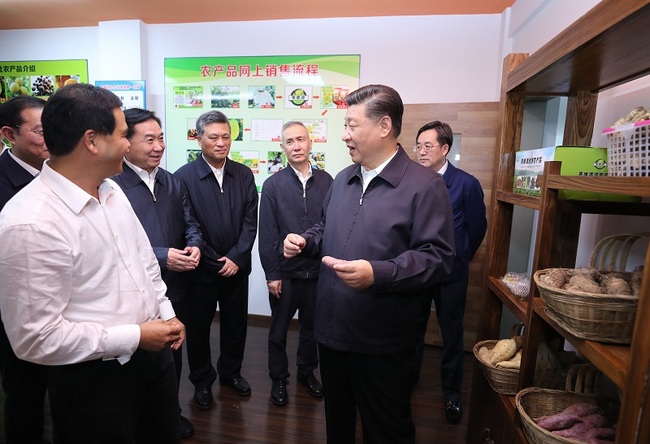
x: 145, y: 175
x: 30, y: 169
x: 443, y: 170
x: 70, y: 193
x: 299, y: 174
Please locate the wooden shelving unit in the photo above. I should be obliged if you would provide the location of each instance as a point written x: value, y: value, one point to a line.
x: 607, y: 47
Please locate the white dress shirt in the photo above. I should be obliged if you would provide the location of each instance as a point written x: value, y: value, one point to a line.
x: 77, y: 275
x: 149, y: 178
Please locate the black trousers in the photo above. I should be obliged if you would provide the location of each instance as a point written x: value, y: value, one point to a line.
x: 297, y: 295
x: 379, y: 386
x: 25, y: 385
x: 231, y: 295
x: 106, y: 402
x: 449, y: 299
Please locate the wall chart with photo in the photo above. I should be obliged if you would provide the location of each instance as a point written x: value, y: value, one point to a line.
x: 258, y: 95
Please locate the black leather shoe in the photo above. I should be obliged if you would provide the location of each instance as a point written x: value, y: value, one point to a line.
x: 187, y: 429
x: 453, y: 411
x: 279, y: 394
x: 313, y: 385
x: 203, y: 398
x: 238, y: 385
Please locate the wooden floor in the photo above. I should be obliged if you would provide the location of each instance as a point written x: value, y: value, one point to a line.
x: 255, y: 419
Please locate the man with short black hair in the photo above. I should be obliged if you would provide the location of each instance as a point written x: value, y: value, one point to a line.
x: 385, y: 238
x: 81, y: 287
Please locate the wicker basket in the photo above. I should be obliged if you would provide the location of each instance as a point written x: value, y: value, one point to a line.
x: 533, y: 402
x: 502, y: 380
x: 597, y: 317
x: 548, y: 371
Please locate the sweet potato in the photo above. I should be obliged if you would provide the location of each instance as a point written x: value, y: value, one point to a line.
x: 576, y: 431
x: 596, y: 420
x: 581, y: 409
x: 484, y: 354
x: 514, y: 362
x: 559, y: 421
x: 503, y: 350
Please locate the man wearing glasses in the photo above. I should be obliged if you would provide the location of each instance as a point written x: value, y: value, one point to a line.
x: 434, y: 140
x: 24, y: 383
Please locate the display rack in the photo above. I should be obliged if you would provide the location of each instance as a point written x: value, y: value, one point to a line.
x: 606, y: 47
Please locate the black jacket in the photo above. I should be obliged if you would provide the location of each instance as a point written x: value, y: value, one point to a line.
x: 167, y: 218
x: 403, y: 226
x: 284, y: 209
x: 228, y: 217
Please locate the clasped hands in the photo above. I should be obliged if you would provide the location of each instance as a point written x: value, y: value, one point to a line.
x: 158, y: 334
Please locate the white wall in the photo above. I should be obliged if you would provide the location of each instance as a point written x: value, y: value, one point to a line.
x: 427, y: 59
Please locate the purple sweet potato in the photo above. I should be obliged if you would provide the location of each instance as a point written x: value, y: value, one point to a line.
x: 576, y: 431
x: 559, y: 421
x: 596, y: 420
x: 581, y: 409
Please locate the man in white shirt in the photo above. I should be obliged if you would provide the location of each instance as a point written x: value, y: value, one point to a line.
x: 81, y: 287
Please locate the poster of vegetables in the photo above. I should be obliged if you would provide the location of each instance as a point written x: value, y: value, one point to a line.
x: 39, y: 78
x: 259, y: 94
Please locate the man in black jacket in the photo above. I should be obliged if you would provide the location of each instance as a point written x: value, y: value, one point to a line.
x: 292, y: 201
x: 159, y: 201
x: 24, y: 383
x: 385, y: 238
x: 224, y: 198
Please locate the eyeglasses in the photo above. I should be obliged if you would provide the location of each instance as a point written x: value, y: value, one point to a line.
x: 427, y: 148
x: 39, y: 132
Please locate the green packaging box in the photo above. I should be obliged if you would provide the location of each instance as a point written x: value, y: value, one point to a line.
x: 576, y: 161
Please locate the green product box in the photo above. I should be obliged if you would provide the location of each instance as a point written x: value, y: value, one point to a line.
x: 576, y: 161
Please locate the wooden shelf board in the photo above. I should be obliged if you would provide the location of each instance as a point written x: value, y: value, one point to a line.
x: 630, y: 186
x: 611, y: 359
x: 515, y: 305
x: 602, y: 49
x: 518, y: 199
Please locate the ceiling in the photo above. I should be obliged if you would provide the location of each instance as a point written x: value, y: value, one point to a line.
x: 32, y: 14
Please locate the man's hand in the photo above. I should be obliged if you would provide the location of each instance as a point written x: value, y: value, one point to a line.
x: 229, y: 268
x: 183, y: 260
x: 355, y: 274
x: 158, y: 334
x: 275, y: 288
x: 293, y: 245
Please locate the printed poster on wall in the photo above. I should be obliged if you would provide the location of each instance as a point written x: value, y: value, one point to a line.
x: 39, y: 78
x: 258, y: 95
x: 132, y: 93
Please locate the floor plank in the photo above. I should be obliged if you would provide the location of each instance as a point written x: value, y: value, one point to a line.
x: 255, y: 420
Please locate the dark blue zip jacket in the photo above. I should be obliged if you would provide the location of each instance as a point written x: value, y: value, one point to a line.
x: 403, y: 226
x: 228, y: 216
x: 284, y: 209
x: 167, y: 218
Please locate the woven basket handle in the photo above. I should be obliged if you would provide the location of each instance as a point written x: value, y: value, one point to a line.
x: 610, y: 254
x: 582, y: 378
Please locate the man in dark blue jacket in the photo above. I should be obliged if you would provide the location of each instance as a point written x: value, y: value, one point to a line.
x: 24, y: 383
x: 224, y: 198
x: 160, y: 203
x: 292, y: 202
x: 386, y: 237
x: 434, y: 140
